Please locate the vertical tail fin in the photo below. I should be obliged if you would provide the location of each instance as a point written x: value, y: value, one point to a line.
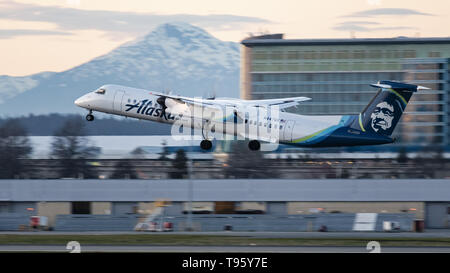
x: 383, y: 112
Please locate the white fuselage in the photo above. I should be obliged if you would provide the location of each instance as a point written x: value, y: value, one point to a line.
x: 143, y: 104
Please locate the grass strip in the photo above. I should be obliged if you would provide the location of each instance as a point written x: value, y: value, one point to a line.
x: 212, y: 240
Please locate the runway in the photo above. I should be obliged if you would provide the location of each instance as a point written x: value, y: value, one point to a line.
x: 217, y: 249
x: 435, y: 233
x: 218, y: 242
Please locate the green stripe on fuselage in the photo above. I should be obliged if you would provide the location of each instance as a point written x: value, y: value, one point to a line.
x: 308, y: 136
x: 328, y: 130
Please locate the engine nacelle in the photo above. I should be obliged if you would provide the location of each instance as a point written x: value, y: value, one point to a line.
x: 173, y: 106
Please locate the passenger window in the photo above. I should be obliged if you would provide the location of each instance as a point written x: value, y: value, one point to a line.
x: 101, y: 91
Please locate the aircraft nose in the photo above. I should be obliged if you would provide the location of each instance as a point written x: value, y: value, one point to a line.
x: 81, y: 101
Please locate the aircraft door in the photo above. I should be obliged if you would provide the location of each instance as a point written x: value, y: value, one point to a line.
x: 287, y: 130
x: 117, y: 103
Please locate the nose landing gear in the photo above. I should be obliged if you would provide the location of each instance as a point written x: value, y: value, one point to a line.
x: 90, y: 116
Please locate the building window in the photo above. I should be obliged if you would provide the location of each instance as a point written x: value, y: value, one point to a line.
x: 224, y: 207
x: 409, y: 54
x: 277, y: 55
x: 434, y: 54
x: 81, y: 207
x: 292, y: 55
x: 359, y: 54
x: 4, y: 207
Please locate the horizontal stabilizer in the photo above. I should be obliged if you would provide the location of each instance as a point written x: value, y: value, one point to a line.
x: 399, y: 86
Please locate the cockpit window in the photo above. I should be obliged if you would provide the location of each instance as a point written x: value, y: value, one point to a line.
x: 100, y: 91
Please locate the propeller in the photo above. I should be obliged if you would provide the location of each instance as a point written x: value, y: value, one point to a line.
x: 213, y: 96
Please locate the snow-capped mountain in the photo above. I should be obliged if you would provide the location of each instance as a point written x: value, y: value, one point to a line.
x: 175, y: 57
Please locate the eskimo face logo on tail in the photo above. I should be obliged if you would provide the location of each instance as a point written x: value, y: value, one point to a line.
x: 382, y: 116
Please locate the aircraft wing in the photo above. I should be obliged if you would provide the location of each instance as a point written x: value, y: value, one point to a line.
x: 219, y: 108
x: 281, y: 103
x: 220, y: 103
x: 174, y: 100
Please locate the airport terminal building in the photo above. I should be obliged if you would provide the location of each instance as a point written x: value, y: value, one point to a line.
x: 336, y: 74
x: 244, y: 204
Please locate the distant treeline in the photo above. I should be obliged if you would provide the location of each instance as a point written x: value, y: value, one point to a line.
x: 46, y: 125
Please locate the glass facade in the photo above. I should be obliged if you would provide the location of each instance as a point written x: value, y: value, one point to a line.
x: 336, y: 74
x: 331, y: 93
x: 426, y: 118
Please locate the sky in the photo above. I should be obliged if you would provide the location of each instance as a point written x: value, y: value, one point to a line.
x: 56, y: 35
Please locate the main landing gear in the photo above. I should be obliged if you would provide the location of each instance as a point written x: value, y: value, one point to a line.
x: 206, y: 144
x: 254, y: 145
x: 90, y: 116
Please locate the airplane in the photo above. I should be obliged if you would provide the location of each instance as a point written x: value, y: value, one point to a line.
x: 248, y: 118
